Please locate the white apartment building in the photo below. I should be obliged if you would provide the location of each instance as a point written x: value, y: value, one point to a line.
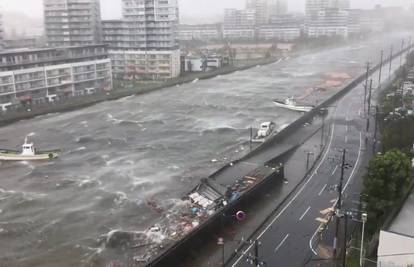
x: 199, y: 32
x: 265, y: 9
x: 42, y: 75
x: 148, y: 65
x: 329, y: 22
x: 144, y: 43
x: 239, y: 24
x: 326, y: 18
x: 239, y: 33
x: 275, y: 32
x: 72, y: 22
x: 239, y: 18
x: 153, y: 24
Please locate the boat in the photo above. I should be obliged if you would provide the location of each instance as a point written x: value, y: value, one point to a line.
x: 266, y: 129
x: 290, y: 103
x: 28, y: 153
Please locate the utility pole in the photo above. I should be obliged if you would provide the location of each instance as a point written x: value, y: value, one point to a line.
x: 361, y: 255
x: 391, y: 55
x: 251, y: 137
x: 401, y: 54
x: 345, y: 240
x: 323, y: 131
x: 380, y: 70
x: 256, y: 253
x: 369, y: 105
x: 374, y: 146
x: 339, y: 204
x: 366, y: 88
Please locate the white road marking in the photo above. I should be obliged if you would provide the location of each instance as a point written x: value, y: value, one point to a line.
x: 304, y: 214
x: 336, y: 167
x: 346, y: 139
x: 323, y: 189
x: 294, y: 197
x: 343, y: 190
x: 281, y: 243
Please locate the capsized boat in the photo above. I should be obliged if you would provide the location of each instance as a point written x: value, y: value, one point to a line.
x: 290, y: 103
x: 266, y: 129
x: 28, y: 153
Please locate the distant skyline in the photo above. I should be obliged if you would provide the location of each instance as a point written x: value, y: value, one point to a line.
x: 189, y: 9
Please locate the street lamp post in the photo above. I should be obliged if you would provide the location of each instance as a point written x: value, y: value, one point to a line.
x: 361, y: 255
x: 389, y: 70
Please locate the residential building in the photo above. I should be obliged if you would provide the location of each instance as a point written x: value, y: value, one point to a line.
x: 277, y: 8
x: 28, y: 42
x: 328, y: 22
x: 395, y: 249
x: 239, y: 24
x: 239, y: 33
x: 261, y: 10
x: 199, y: 32
x: 282, y: 28
x: 40, y: 75
x: 153, y: 24
x: 72, y: 22
x: 277, y: 32
x: 396, y: 243
x: 133, y: 64
x: 234, y: 18
x: 144, y: 43
x: 372, y: 20
x: 326, y: 18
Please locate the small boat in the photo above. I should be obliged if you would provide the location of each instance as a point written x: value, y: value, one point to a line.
x: 266, y: 129
x: 290, y: 103
x: 28, y: 153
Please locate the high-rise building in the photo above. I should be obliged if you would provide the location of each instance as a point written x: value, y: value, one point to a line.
x: 72, y: 22
x: 239, y: 18
x: 144, y: 43
x: 261, y: 10
x: 266, y: 9
x: 327, y: 18
x: 152, y: 23
x: 239, y: 24
x: 277, y: 8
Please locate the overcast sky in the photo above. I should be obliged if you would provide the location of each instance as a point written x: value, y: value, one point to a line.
x: 188, y: 8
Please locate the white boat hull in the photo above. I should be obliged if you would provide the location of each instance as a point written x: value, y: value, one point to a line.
x: 18, y: 157
x: 294, y: 108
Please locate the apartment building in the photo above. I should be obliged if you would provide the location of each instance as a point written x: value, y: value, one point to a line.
x: 326, y: 18
x: 147, y: 35
x: 72, y: 22
x: 266, y: 9
x: 199, y: 32
x: 282, y: 28
x: 145, y: 65
x: 328, y: 22
x: 239, y: 24
x: 44, y: 75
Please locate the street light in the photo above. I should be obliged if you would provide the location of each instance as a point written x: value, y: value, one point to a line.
x: 361, y: 255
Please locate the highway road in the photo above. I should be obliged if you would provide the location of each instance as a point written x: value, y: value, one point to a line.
x: 290, y: 237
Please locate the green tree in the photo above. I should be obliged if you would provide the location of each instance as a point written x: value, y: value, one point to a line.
x: 385, y: 183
